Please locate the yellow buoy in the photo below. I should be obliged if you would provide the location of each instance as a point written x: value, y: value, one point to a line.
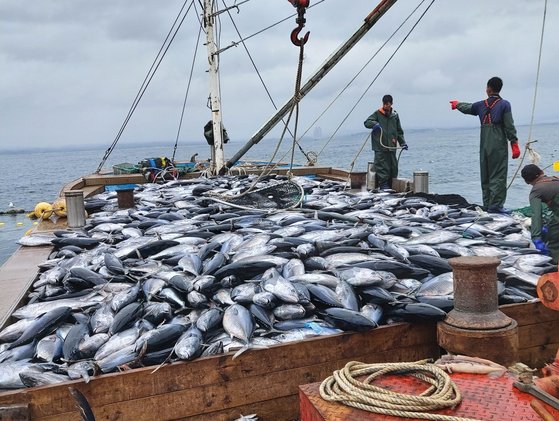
x: 1, y: 223
x: 43, y: 210
x: 556, y: 166
x: 19, y: 224
x: 59, y: 207
x: 35, y: 223
x: 29, y: 231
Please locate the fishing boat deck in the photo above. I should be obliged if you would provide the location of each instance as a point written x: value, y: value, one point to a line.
x: 483, y: 397
x: 16, y: 277
x: 263, y: 381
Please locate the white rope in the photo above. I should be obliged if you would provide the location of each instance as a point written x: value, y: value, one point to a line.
x: 442, y: 393
x: 533, y: 154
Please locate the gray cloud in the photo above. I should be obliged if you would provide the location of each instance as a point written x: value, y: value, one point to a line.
x: 70, y: 69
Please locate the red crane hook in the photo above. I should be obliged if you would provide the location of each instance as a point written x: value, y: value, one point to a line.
x: 301, y: 6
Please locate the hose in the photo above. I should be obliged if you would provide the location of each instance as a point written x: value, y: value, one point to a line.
x: 442, y: 393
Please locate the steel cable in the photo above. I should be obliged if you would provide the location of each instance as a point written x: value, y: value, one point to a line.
x: 529, y: 141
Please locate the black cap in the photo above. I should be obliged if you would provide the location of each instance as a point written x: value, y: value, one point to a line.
x: 530, y: 172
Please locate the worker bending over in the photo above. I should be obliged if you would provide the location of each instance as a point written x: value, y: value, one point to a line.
x: 544, y: 189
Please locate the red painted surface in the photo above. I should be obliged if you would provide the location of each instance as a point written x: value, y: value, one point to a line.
x: 483, y: 398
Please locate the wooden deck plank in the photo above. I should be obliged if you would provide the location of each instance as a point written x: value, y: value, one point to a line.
x: 16, y: 276
x: 529, y: 337
x: 530, y: 313
x: 232, y: 393
x: 539, y: 356
x: 206, y: 371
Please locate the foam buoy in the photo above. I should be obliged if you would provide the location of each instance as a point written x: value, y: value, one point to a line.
x: 43, y: 210
x: 59, y: 207
x: 19, y: 224
x: 548, y: 290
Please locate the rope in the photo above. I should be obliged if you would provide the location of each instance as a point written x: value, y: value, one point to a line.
x: 534, y: 101
x: 297, y: 97
x: 269, y: 167
x: 259, y: 75
x: 442, y: 393
x: 348, y: 182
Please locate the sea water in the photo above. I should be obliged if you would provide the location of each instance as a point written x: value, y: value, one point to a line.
x: 451, y: 156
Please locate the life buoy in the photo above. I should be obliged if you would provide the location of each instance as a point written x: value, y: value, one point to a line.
x: 43, y: 210
x: 59, y: 207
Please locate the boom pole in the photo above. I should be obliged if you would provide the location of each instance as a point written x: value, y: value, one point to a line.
x: 218, y: 159
x: 370, y: 21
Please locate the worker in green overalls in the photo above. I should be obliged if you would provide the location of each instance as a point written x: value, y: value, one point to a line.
x: 497, y: 126
x: 544, y: 190
x: 386, y: 136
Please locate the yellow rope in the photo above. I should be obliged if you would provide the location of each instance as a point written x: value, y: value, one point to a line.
x: 442, y: 393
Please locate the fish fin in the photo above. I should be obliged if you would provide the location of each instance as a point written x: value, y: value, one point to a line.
x: 82, y: 404
x: 163, y: 363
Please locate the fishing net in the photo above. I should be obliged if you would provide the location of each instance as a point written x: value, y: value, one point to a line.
x: 443, y: 199
x: 284, y: 195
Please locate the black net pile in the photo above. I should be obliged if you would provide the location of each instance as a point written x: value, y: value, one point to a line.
x: 277, y: 196
x: 444, y: 199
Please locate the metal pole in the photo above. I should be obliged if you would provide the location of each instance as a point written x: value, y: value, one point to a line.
x: 371, y: 176
x: 421, y: 182
x: 218, y: 159
x: 75, y: 208
x: 370, y: 21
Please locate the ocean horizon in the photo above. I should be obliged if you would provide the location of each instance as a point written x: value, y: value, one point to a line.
x: 451, y: 157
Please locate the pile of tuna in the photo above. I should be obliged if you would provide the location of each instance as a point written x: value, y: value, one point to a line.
x: 182, y: 276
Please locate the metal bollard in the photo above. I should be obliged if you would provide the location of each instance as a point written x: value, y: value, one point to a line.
x: 421, y: 182
x: 75, y: 209
x: 476, y: 326
x: 371, y: 176
x: 476, y: 302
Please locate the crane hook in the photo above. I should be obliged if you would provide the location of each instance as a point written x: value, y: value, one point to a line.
x: 301, y: 6
x: 295, y: 37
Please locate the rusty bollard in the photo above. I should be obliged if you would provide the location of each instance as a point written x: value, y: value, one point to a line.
x: 125, y: 198
x: 476, y: 326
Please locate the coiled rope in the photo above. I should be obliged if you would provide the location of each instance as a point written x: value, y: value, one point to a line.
x: 442, y: 393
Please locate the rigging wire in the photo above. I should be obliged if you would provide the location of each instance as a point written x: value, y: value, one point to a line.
x: 362, y: 69
x: 149, y: 76
x: 242, y: 40
x: 187, y: 91
x: 530, y: 141
x: 377, y: 76
x: 260, y: 76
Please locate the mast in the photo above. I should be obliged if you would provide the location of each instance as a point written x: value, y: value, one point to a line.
x: 218, y: 159
x: 370, y: 21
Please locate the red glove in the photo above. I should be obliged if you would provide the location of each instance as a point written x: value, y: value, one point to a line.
x: 453, y: 103
x: 515, y: 149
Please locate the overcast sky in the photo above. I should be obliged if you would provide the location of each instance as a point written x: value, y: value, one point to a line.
x: 70, y: 69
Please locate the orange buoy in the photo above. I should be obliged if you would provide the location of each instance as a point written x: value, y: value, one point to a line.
x: 548, y: 290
